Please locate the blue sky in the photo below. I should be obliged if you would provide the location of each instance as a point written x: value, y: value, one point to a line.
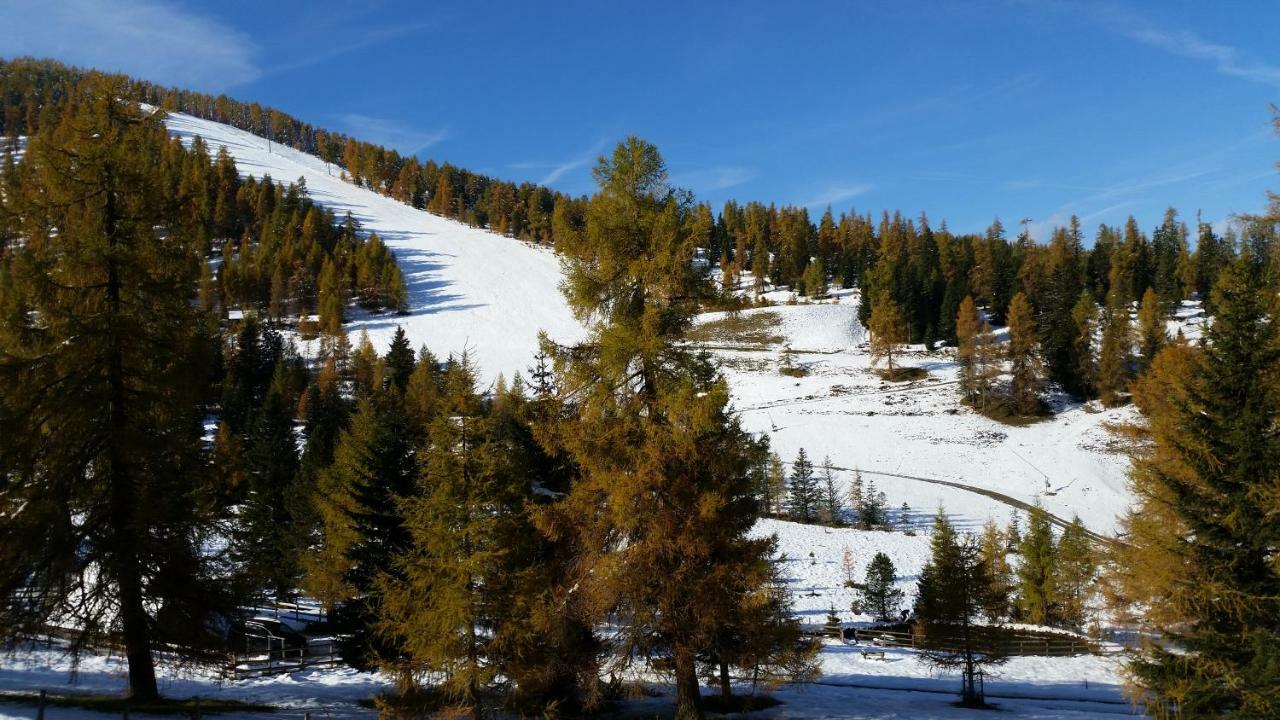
x: 966, y: 110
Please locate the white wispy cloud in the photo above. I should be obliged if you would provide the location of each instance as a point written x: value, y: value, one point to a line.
x: 358, y: 39
x: 557, y: 170
x: 713, y: 178
x: 1226, y: 59
x: 152, y: 39
x: 837, y: 194
x: 391, y: 133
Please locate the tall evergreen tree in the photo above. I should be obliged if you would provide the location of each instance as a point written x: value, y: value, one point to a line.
x: 101, y: 365
x: 399, y: 360
x: 950, y: 599
x: 998, y: 597
x: 1024, y: 358
x: 1075, y: 569
x: 1115, y: 355
x: 1209, y: 570
x: 1037, y: 593
x: 447, y: 587
x: 889, y: 330
x: 803, y: 492
x: 362, y: 530
x: 268, y: 537
x: 1152, y: 334
x: 663, y: 503
x: 1084, y: 318
x: 881, y: 597
x: 831, y: 508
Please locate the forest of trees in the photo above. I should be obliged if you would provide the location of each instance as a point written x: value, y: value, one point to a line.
x: 471, y: 540
x: 145, y: 426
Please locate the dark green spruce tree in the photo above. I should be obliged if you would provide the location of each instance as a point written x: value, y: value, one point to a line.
x: 1215, y: 470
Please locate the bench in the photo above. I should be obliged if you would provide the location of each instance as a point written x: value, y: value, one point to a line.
x: 869, y: 654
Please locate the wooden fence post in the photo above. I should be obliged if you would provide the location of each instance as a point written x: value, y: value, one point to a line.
x: 40, y: 707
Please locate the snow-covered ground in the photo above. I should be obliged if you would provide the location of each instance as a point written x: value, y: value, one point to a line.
x: 469, y: 289
x: 898, y: 686
x: 902, y: 435
x: 472, y: 289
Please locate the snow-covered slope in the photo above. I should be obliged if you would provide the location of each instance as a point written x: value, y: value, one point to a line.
x: 903, y: 436
x: 468, y: 288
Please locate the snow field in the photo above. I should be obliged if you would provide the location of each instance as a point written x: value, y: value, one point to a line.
x: 469, y: 289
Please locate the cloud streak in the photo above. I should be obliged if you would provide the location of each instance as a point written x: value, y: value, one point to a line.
x: 560, y: 169
x: 146, y: 38
x: 713, y: 178
x: 408, y: 140
x: 837, y: 194
x: 1226, y: 60
x: 368, y: 37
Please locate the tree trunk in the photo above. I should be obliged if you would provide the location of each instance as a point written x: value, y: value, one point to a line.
x: 137, y: 637
x: 688, y: 697
x: 124, y: 498
x: 726, y: 690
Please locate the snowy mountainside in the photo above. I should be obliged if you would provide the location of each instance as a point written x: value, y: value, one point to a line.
x: 475, y: 290
x: 469, y: 289
x: 915, y: 440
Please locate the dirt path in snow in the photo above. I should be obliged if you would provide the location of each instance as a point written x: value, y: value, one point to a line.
x: 993, y: 494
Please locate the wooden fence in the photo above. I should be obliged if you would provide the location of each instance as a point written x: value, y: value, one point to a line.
x: 1011, y: 643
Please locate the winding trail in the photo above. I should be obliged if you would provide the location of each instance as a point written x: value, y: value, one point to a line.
x: 993, y: 494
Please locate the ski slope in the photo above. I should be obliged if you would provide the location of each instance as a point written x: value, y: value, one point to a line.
x: 469, y: 289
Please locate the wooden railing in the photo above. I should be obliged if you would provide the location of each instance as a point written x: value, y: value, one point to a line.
x: 1012, y: 643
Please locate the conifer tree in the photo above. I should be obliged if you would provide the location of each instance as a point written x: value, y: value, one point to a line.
x: 774, y: 497
x: 933, y: 597
x: 1037, y: 592
x: 367, y: 368
x: 968, y: 328
x: 1066, y: 278
x: 361, y: 528
x: 663, y: 502
x: 102, y: 371
x: 830, y: 510
x: 873, y: 512
x: 881, y: 597
x: 399, y: 361
x: 815, y: 280
x: 976, y: 353
x: 950, y: 599
x: 889, y: 330
x: 994, y: 550
x: 1084, y: 318
x: 1024, y: 358
x: 1075, y: 568
x: 1115, y: 355
x: 803, y: 492
x: 446, y: 585
x: 1203, y: 536
x: 1152, y: 334
x: 267, y: 538
x: 1166, y: 243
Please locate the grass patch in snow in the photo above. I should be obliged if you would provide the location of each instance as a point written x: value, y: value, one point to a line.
x: 739, y: 329
x: 117, y: 704
x: 1001, y: 410
x: 903, y: 374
